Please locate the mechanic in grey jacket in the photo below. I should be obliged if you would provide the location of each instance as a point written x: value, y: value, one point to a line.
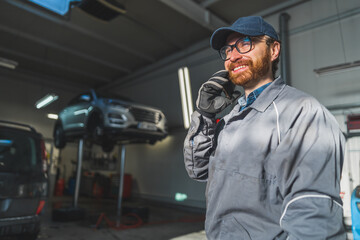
x: 273, y: 164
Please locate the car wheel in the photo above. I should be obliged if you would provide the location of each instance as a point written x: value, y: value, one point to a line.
x: 107, y: 146
x: 96, y: 127
x: 88, y: 144
x: 59, y: 137
x: 98, y: 131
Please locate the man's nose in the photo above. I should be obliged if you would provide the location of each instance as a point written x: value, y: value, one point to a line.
x: 235, y: 55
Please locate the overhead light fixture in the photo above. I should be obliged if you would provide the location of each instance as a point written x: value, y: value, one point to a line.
x: 53, y: 116
x: 8, y: 63
x: 43, y: 102
x: 337, y: 68
x: 186, y: 96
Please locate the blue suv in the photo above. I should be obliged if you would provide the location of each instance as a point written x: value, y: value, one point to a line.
x: 107, y: 120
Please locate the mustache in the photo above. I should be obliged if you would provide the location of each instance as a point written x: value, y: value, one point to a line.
x: 239, y: 63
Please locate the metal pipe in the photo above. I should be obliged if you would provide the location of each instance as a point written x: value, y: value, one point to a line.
x: 78, y: 172
x: 343, y: 106
x: 284, y: 54
x: 121, y: 184
x: 280, y: 7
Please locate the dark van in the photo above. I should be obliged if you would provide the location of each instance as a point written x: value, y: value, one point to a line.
x: 23, y: 180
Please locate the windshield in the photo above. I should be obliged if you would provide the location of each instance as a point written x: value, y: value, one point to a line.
x: 18, y: 153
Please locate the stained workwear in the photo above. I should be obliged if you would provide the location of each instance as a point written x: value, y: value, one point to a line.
x: 272, y: 170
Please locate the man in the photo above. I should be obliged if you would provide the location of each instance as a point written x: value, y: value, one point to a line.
x: 273, y: 164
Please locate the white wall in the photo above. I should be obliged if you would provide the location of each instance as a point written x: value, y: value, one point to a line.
x: 158, y: 170
x: 328, y: 44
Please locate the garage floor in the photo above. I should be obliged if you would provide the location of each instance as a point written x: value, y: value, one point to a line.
x: 164, y: 222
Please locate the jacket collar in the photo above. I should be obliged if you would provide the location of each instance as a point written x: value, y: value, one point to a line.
x: 268, y: 95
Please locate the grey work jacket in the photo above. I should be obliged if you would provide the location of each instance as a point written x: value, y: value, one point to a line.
x: 272, y: 170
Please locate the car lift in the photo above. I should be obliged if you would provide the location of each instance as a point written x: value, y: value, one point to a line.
x: 74, y: 213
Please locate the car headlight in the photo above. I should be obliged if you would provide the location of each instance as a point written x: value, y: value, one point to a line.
x: 158, y: 117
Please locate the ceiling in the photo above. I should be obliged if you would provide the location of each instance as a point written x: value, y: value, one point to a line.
x: 79, y: 50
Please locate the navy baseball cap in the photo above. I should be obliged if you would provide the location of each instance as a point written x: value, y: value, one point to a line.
x: 250, y: 26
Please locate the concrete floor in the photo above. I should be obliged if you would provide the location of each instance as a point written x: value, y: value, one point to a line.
x: 164, y: 222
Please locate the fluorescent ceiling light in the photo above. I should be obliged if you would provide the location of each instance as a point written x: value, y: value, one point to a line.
x: 43, y: 102
x: 337, y: 68
x: 186, y: 96
x: 188, y: 90
x: 8, y: 63
x: 52, y: 116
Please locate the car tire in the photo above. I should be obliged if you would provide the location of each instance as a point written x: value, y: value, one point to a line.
x: 107, y: 146
x: 29, y: 236
x: 96, y: 127
x: 59, y: 136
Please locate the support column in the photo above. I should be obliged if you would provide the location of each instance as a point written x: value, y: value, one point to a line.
x: 78, y: 172
x: 121, y: 183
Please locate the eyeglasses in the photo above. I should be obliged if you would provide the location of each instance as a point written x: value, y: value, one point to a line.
x: 242, y: 45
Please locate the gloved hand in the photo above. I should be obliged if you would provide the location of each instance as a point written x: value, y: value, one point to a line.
x: 210, y: 101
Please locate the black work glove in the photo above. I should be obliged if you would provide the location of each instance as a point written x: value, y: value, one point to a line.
x: 210, y: 101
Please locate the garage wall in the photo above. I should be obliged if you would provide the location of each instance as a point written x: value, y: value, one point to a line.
x: 322, y: 33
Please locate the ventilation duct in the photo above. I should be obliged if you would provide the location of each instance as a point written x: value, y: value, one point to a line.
x: 103, y: 9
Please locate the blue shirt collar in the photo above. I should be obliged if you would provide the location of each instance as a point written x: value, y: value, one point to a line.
x: 245, y: 102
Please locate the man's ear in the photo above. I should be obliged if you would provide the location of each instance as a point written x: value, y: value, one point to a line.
x: 275, y: 50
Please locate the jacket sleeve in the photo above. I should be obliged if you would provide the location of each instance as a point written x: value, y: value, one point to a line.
x: 310, y: 158
x: 198, y: 146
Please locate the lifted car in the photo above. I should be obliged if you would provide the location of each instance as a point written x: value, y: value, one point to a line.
x: 23, y: 180
x: 107, y: 120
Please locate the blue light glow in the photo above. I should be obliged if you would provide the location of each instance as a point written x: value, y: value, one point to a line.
x: 58, y: 6
x: 180, y: 197
x: 5, y: 142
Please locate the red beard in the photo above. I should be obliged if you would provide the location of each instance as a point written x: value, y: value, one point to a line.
x: 256, y: 70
